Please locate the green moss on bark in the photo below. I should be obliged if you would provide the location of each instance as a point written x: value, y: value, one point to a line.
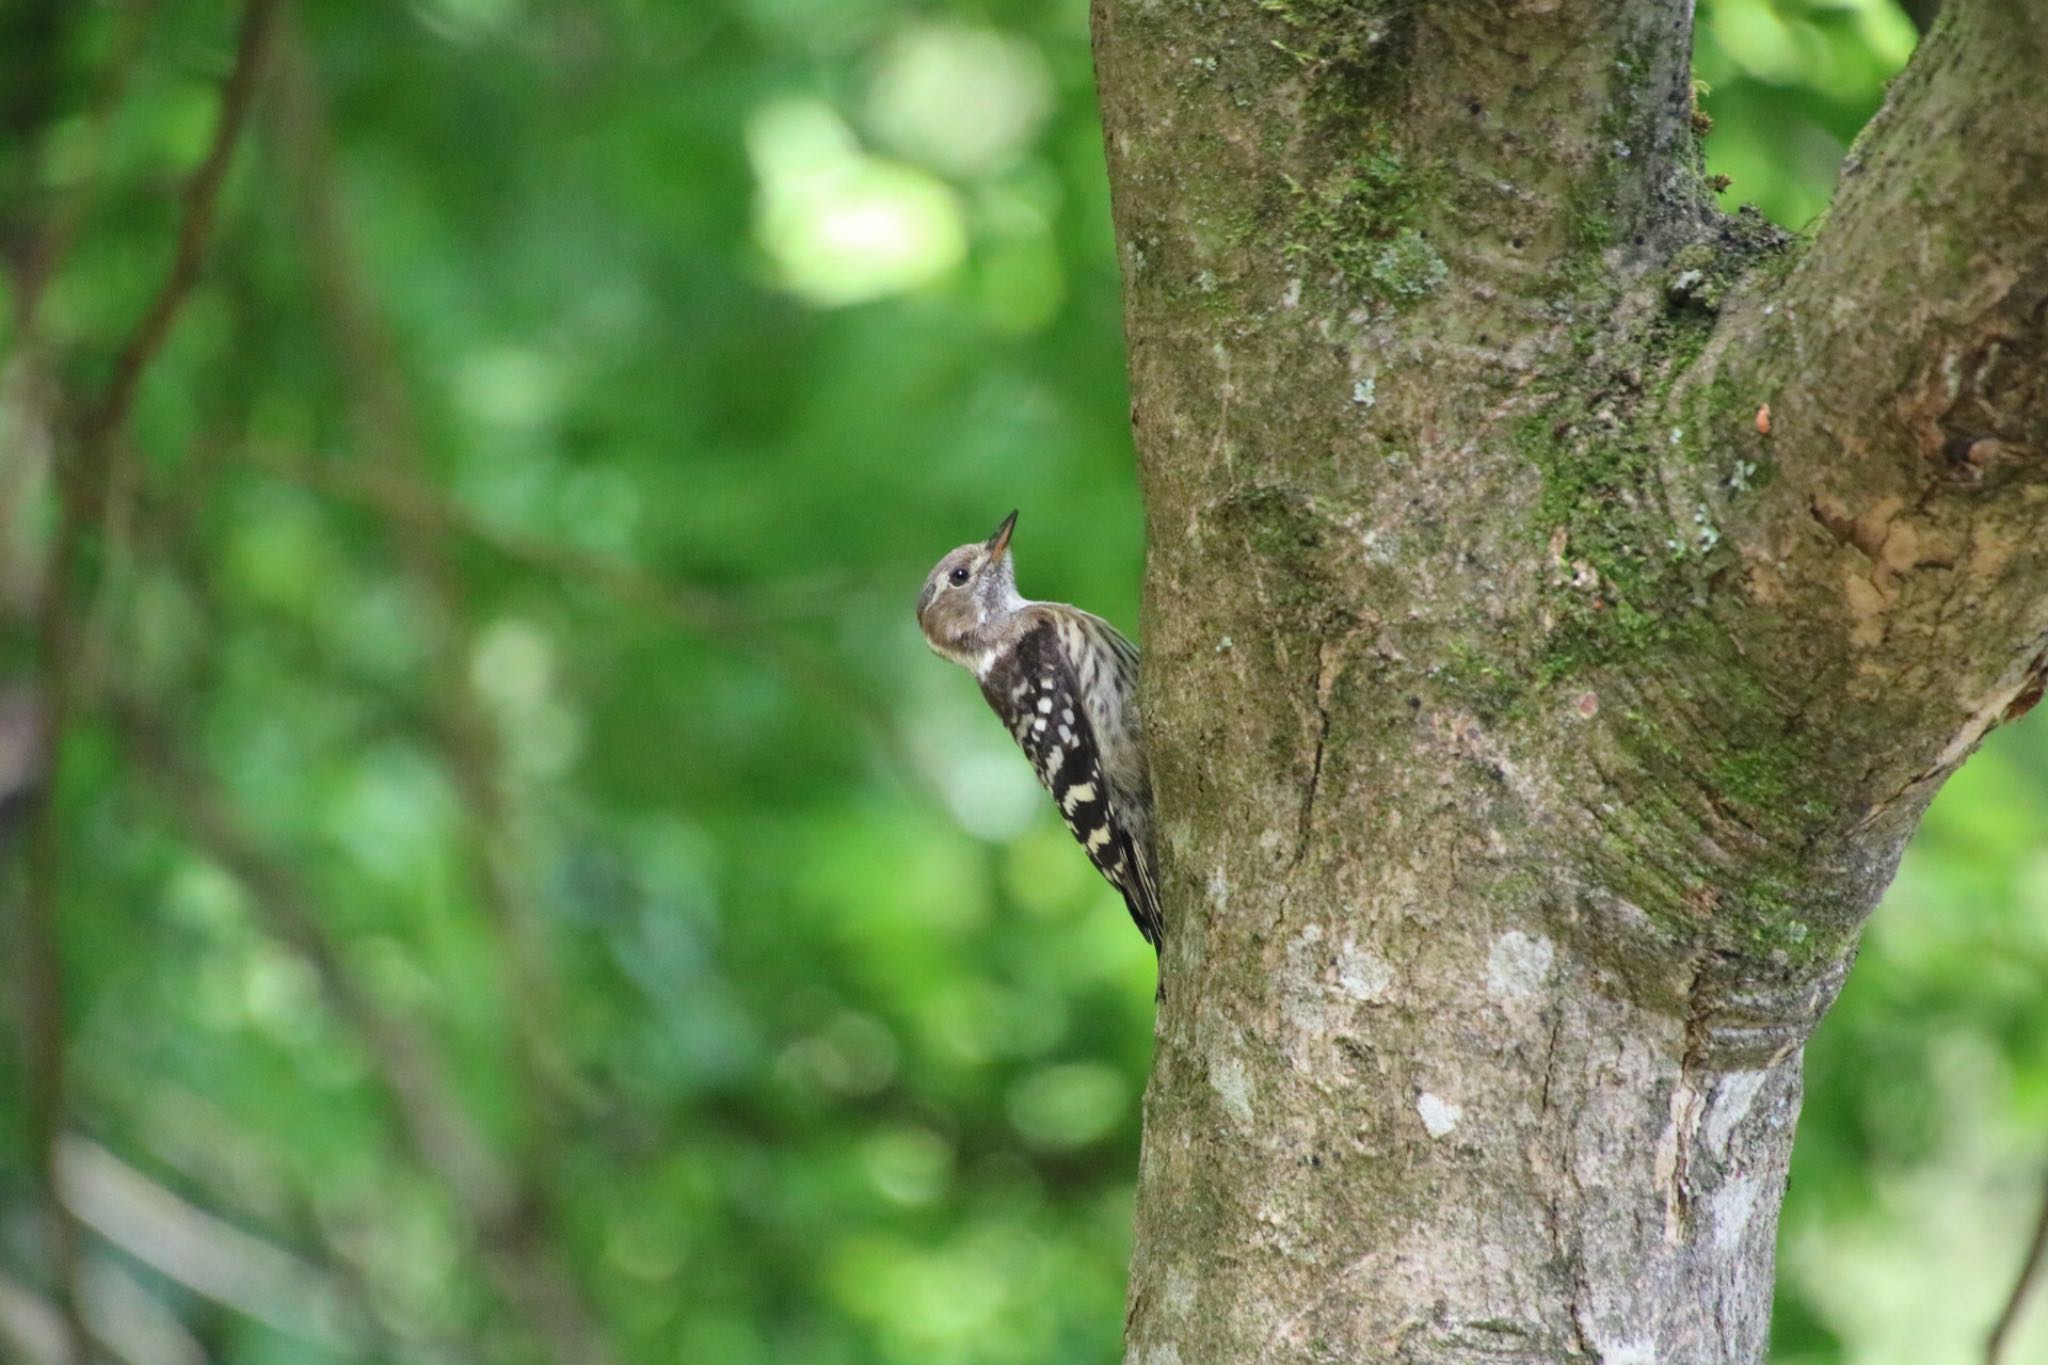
x: 1359, y: 230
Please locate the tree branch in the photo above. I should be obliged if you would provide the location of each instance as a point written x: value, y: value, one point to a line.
x: 82, y: 486
x: 50, y: 240
x: 367, y: 358
x: 2022, y: 1286
x: 192, y: 1247
x: 129, y: 1325
x: 201, y: 198
x: 1560, y: 601
x: 1893, y: 575
x: 32, y: 733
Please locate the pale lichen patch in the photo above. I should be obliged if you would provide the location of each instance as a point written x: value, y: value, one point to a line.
x: 1734, y: 1206
x: 1439, y: 1115
x: 1362, y: 974
x: 1733, y: 1099
x: 1230, y: 1080
x: 1305, y: 1004
x: 1519, y: 965
x: 1219, y: 889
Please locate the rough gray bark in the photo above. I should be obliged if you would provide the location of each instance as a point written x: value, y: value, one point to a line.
x: 1563, y: 601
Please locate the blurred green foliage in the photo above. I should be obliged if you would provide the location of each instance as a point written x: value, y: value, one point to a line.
x: 805, y: 1034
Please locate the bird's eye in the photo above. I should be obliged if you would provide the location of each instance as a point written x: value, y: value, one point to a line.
x: 958, y: 576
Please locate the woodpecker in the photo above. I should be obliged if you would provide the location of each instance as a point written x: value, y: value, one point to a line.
x: 1066, y: 684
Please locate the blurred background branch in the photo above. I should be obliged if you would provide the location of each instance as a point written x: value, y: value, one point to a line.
x: 126, y: 1322
x: 2022, y: 1286
x: 498, y: 1201
x: 194, y: 1248
x: 746, y: 624
x: 367, y: 359
x: 201, y: 198
x: 83, y: 476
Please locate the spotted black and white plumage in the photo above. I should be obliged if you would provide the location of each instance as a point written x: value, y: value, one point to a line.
x: 1066, y: 684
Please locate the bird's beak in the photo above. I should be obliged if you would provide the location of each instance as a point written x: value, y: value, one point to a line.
x: 1000, y: 541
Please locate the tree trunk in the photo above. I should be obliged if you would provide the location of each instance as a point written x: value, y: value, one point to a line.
x: 1563, y: 600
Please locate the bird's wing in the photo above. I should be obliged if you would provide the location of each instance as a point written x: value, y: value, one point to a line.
x: 1108, y: 666
x: 1036, y: 691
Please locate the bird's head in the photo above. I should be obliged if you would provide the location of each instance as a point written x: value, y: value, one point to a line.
x: 968, y: 596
